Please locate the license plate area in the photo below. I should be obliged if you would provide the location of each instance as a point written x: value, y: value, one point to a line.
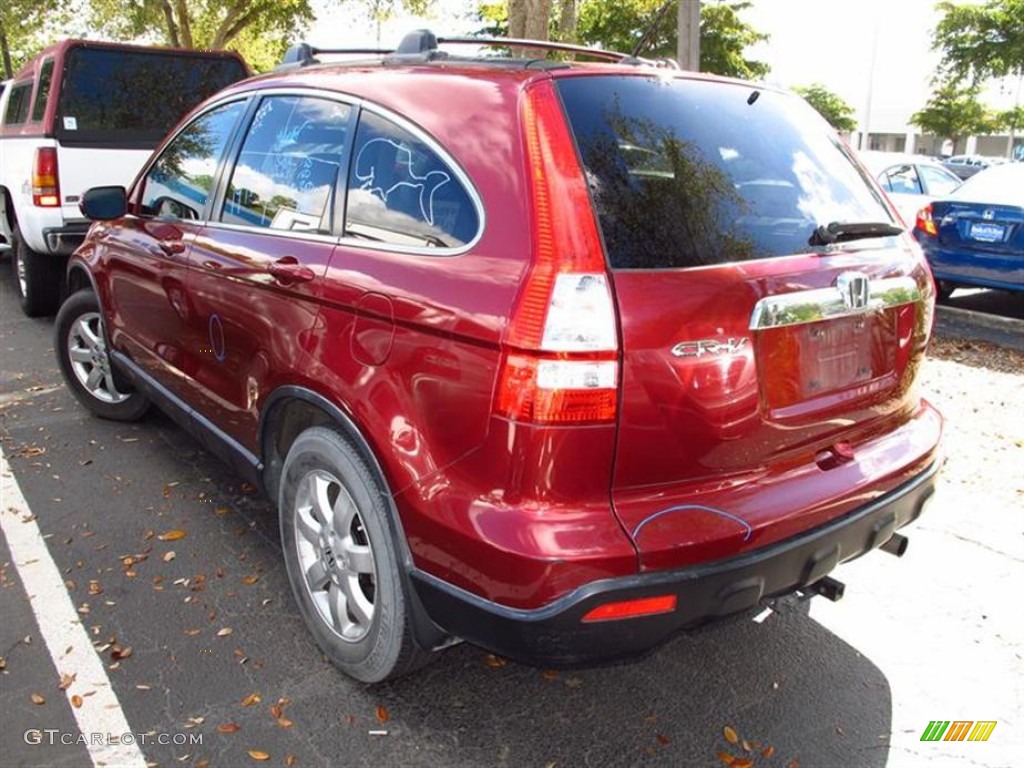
x: 987, y: 233
x: 801, y: 365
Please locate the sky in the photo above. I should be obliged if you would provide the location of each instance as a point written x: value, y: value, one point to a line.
x: 811, y: 41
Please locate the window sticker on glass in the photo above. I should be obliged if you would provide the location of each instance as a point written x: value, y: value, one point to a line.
x: 70, y: 124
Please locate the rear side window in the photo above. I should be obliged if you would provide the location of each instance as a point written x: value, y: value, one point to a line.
x: 686, y: 173
x: 42, y: 91
x: 289, y: 165
x: 938, y: 182
x: 134, y: 98
x: 180, y: 182
x: 17, y: 104
x: 401, y: 192
x: 901, y: 179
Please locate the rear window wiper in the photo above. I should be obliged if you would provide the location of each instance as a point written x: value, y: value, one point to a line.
x: 837, y: 231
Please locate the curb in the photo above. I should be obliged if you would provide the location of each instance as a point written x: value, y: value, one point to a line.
x: 966, y: 323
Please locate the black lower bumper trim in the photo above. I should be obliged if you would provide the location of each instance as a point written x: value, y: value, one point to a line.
x: 555, y: 635
x: 62, y: 241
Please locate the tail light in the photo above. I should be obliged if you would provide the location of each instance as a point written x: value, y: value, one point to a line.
x: 561, y: 348
x: 45, y: 184
x: 925, y: 222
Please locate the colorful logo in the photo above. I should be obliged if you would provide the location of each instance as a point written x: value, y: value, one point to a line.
x: 958, y: 730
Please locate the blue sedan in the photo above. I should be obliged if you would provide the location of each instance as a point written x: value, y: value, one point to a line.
x: 975, y: 235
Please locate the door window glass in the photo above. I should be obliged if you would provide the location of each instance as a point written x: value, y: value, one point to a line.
x: 42, y: 91
x: 181, y: 180
x: 401, y: 192
x: 937, y: 181
x: 902, y: 179
x: 17, y: 104
x: 289, y: 165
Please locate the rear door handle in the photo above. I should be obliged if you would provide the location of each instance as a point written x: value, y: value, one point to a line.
x: 288, y: 270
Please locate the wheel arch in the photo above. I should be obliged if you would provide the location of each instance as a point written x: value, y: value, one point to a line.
x: 288, y: 411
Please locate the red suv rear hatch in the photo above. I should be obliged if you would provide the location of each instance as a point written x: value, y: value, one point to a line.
x: 766, y: 375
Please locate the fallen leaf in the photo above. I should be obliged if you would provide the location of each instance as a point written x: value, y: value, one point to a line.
x: 768, y: 751
x: 726, y: 758
x: 30, y: 451
x: 549, y: 674
x: 119, y: 653
x: 289, y: 760
x: 840, y: 731
x: 256, y: 754
x: 174, y: 535
x: 250, y: 580
x: 37, y: 699
x: 382, y: 714
x: 494, y: 662
x: 221, y: 511
x: 252, y: 698
x: 730, y: 735
x: 229, y: 728
x: 224, y: 631
x: 168, y: 556
x: 3, y: 663
x: 192, y: 632
x: 66, y: 680
x: 284, y: 722
x: 76, y: 701
x: 747, y: 747
x: 664, y: 740
x: 743, y: 762
x: 793, y: 764
x: 275, y: 711
x: 143, y: 687
x: 95, y: 588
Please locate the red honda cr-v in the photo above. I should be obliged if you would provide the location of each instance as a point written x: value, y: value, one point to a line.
x: 554, y: 357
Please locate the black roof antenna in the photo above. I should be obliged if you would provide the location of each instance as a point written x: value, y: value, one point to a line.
x: 651, y: 29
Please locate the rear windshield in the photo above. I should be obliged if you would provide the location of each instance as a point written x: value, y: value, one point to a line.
x: 688, y: 173
x: 135, y: 98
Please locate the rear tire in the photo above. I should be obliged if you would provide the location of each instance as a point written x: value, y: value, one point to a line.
x: 343, y: 561
x: 81, y: 347
x: 38, y: 278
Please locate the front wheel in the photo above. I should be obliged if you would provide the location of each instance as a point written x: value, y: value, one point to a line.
x: 342, y: 560
x: 81, y: 347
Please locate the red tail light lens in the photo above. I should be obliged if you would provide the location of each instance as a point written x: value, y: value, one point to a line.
x: 561, y: 360
x: 45, y: 184
x: 925, y: 222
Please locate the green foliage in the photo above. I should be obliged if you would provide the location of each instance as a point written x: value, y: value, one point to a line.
x: 953, y: 111
x: 26, y: 26
x: 724, y: 36
x: 1012, y: 119
x: 981, y: 41
x: 830, y: 106
x: 259, y: 29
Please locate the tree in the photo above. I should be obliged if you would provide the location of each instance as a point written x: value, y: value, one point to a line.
x: 260, y: 29
x: 724, y: 36
x: 981, y: 41
x: 953, y: 112
x: 830, y: 106
x: 25, y: 27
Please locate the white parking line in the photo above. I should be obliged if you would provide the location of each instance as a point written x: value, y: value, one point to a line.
x: 100, y: 717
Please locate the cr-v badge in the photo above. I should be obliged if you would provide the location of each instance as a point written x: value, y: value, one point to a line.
x: 708, y: 347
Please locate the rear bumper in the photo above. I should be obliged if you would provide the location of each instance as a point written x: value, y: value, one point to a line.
x: 555, y: 634
x: 974, y: 267
x: 63, y: 240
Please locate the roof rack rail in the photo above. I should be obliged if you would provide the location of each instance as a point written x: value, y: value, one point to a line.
x: 422, y: 45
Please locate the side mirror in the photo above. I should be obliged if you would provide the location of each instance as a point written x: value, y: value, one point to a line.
x: 104, y: 203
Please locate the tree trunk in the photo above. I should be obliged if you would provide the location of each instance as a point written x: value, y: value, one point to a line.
x: 689, y: 35
x: 184, y: 25
x: 5, y: 51
x: 517, y: 18
x: 538, y: 17
x: 172, y: 27
x: 567, y: 22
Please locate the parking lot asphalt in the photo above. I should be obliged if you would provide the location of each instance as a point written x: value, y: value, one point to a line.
x: 166, y: 554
